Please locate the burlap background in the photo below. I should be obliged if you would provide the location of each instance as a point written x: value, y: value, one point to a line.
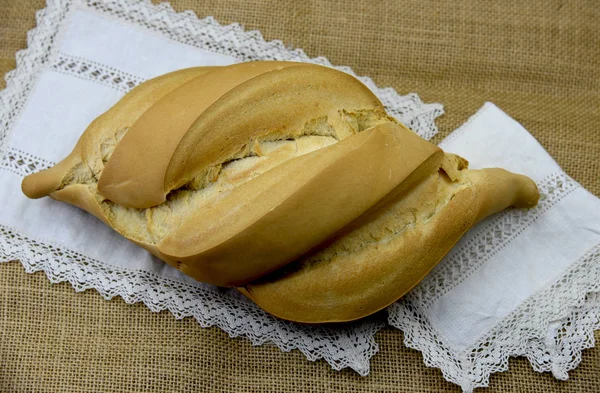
x: 537, y: 60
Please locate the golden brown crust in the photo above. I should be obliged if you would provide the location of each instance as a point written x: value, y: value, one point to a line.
x: 499, y: 189
x: 81, y: 196
x: 84, y: 197
x: 135, y: 174
x: 43, y: 183
x: 281, y: 101
x: 87, y: 151
x: 272, y: 163
x: 352, y: 285
x: 294, y: 206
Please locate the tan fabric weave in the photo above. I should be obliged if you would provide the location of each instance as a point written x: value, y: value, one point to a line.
x: 537, y: 60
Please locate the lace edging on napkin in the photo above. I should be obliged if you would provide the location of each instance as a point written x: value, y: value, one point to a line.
x: 551, y: 327
x: 551, y: 338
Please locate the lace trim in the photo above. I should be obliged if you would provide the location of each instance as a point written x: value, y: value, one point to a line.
x: 30, y: 62
x: 93, y: 71
x: 232, y: 40
x: 551, y: 335
x: 23, y: 163
x: 349, y: 345
x: 467, y: 256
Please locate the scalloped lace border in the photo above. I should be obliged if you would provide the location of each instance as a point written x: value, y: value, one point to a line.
x: 209, y: 305
x: 551, y: 334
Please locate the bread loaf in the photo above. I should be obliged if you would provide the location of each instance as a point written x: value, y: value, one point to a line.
x: 288, y: 180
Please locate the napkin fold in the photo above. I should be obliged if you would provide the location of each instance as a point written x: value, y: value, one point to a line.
x: 510, y: 286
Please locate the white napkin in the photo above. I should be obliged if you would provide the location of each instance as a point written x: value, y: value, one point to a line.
x: 81, y: 59
x: 522, y: 282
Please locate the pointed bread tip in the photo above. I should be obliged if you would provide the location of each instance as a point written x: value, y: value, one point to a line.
x: 43, y: 183
x: 40, y: 184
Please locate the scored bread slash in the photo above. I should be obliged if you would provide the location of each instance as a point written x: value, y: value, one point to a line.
x: 388, y: 250
x: 208, y: 123
x: 288, y: 180
x: 274, y: 218
x: 135, y: 174
x: 87, y: 154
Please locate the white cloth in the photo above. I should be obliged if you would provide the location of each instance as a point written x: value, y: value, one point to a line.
x: 522, y: 282
x: 81, y: 59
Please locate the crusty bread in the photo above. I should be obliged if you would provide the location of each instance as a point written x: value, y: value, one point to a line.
x: 269, y: 219
x: 135, y: 175
x: 288, y: 180
x: 209, y: 123
x: 99, y: 140
x: 388, y: 250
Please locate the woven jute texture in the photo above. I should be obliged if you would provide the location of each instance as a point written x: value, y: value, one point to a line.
x: 537, y: 60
